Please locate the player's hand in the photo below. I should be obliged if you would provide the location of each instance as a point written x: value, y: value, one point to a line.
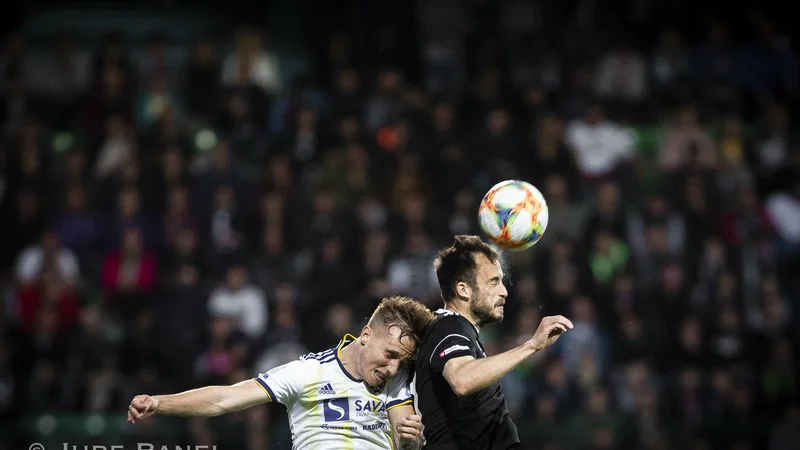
x: 549, y: 331
x: 409, y: 430
x: 142, y: 407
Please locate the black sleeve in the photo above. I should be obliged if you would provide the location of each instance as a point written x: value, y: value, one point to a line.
x: 451, y: 338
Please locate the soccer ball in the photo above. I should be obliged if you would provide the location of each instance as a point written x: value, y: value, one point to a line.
x: 513, y: 215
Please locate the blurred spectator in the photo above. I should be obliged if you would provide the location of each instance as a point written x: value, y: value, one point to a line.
x: 130, y: 268
x: 244, y: 303
x: 715, y: 58
x: 47, y: 259
x: 77, y: 225
x: 384, y: 106
x: 670, y: 62
x: 784, y: 212
x: 600, y: 145
x: 251, y: 63
x: 201, y: 74
x: 686, y: 145
x: 443, y: 27
x: 412, y: 273
x: 116, y: 149
x: 622, y: 74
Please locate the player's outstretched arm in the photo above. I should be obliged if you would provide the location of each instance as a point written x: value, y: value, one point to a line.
x: 407, y: 427
x: 467, y: 375
x: 207, y: 401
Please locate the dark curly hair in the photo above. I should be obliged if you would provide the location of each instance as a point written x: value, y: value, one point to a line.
x: 457, y: 263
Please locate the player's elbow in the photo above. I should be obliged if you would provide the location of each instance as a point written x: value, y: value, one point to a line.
x: 217, y: 407
x: 461, y: 386
x: 215, y: 410
x: 227, y: 399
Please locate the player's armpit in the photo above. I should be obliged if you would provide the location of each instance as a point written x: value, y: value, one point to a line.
x: 452, y: 374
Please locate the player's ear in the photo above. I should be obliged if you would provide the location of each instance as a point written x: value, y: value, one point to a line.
x: 463, y: 290
x: 366, y: 332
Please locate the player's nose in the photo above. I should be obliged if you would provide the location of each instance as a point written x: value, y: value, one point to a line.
x: 503, y: 291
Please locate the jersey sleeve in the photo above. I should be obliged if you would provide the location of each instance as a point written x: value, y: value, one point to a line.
x: 451, y: 338
x: 284, y: 384
x: 399, y: 391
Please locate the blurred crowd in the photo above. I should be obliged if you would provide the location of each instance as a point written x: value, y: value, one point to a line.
x: 184, y: 215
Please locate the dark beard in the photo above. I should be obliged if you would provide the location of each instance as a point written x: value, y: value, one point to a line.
x: 484, y: 314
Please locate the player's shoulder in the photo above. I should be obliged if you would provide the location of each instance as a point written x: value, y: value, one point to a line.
x: 307, y: 364
x: 449, y: 322
x: 444, y: 318
x: 293, y: 369
x: 319, y: 357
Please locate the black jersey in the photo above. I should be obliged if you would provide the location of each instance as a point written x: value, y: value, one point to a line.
x: 478, y: 421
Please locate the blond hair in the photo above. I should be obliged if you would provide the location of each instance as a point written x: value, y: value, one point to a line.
x: 405, y: 313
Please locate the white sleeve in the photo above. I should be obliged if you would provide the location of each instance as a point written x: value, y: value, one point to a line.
x: 284, y: 384
x: 399, y: 391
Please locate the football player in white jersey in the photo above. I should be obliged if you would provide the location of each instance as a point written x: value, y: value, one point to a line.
x: 353, y: 396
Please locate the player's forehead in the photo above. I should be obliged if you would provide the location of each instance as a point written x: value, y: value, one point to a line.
x: 488, y: 269
x: 394, y: 340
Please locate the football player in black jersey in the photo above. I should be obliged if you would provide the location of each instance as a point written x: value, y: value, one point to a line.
x: 457, y: 385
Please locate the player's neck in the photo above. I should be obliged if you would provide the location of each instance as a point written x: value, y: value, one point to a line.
x: 463, y: 312
x: 349, y: 357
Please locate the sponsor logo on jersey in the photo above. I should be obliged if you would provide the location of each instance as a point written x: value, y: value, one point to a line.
x: 325, y: 426
x: 367, y: 407
x: 449, y: 350
x: 374, y: 426
x: 326, y: 390
x: 336, y: 409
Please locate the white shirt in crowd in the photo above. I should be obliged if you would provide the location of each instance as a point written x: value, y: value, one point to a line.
x: 784, y: 210
x: 248, y: 305
x: 29, y: 265
x: 263, y: 71
x: 599, y: 148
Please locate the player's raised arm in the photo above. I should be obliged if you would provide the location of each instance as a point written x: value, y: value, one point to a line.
x: 467, y: 375
x: 282, y: 385
x: 207, y: 401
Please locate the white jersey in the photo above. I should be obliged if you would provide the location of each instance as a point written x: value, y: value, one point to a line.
x: 329, y: 408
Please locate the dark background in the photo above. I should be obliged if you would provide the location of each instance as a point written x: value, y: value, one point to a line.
x: 195, y: 192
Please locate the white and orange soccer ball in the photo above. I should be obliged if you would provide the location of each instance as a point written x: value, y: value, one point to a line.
x: 513, y: 215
